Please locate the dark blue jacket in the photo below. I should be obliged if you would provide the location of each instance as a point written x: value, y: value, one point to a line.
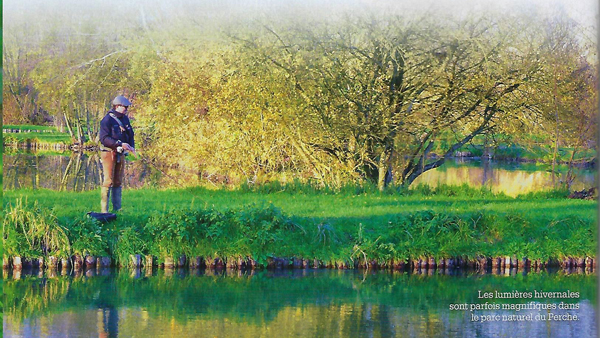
x: 111, y: 135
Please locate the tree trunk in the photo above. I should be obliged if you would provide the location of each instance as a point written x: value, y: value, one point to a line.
x: 384, y: 167
x: 80, y: 137
x: 555, y: 154
x: 89, y: 128
x: 68, y: 126
x: 384, y: 176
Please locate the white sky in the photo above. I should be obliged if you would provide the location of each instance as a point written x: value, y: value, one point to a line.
x: 583, y: 11
x: 41, y: 14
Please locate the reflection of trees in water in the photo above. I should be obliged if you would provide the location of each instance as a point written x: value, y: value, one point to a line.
x: 77, y: 172
x: 83, y: 171
x: 258, y: 303
x: 511, y: 181
x: 27, y: 171
x: 487, y: 173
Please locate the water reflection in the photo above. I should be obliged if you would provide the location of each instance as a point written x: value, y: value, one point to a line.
x: 511, y: 178
x: 68, y: 171
x: 108, y: 322
x: 305, y: 303
x: 83, y: 171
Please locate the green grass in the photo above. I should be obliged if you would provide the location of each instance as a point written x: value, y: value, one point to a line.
x: 45, y: 135
x: 350, y: 225
x: 328, y: 205
x: 52, y: 138
x: 30, y: 127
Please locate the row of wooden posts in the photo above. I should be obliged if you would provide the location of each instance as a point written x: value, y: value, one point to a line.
x: 78, y: 262
x: 149, y: 272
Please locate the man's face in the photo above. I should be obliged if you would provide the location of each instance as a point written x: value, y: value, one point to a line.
x: 121, y: 109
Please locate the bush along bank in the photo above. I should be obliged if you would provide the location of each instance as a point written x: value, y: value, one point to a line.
x: 262, y: 236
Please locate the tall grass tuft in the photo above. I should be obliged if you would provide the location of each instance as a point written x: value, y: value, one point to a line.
x: 128, y: 241
x: 33, y: 232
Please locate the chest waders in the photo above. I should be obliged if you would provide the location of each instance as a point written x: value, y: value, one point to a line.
x: 113, y: 165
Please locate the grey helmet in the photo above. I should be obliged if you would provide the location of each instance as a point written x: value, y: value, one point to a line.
x: 121, y: 101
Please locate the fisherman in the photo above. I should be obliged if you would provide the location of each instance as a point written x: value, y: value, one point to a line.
x: 116, y: 138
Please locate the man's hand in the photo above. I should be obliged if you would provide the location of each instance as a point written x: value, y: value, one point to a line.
x: 128, y: 147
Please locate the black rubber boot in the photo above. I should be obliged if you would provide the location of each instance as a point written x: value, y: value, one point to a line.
x: 116, y: 199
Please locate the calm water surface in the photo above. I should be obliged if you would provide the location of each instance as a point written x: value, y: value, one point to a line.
x: 288, y: 303
x: 68, y: 171
x: 83, y: 171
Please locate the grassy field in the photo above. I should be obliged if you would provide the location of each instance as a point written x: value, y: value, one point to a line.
x: 355, y: 224
x: 14, y: 139
x: 34, y: 135
x: 27, y: 127
x: 351, y: 205
x: 37, y: 138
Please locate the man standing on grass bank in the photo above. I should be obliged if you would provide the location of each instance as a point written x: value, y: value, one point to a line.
x: 116, y: 139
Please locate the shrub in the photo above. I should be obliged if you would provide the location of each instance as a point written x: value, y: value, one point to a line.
x: 85, y: 234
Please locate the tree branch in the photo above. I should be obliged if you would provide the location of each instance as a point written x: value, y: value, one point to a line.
x: 99, y: 59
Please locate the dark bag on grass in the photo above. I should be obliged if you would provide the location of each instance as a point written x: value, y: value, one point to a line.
x: 102, y: 217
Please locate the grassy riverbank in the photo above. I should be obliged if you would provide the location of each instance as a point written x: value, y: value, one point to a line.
x: 32, y: 136
x: 26, y: 128
x: 355, y: 226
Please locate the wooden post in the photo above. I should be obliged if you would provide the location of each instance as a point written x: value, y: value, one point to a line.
x: 5, y: 262
x: 105, y: 261
x: 135, y: 261
x: 17, y: 263
x: 169, y: 263
x: 231, y: 263
x: 52, y: 263
x: 432, y: 263
x: 90, y: 261
x: 442, y: 263
x: 305, y: 264
x: 181, y: 261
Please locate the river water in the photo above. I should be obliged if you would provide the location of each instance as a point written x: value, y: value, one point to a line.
x: 83, y: 171
x: 294, y: 303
